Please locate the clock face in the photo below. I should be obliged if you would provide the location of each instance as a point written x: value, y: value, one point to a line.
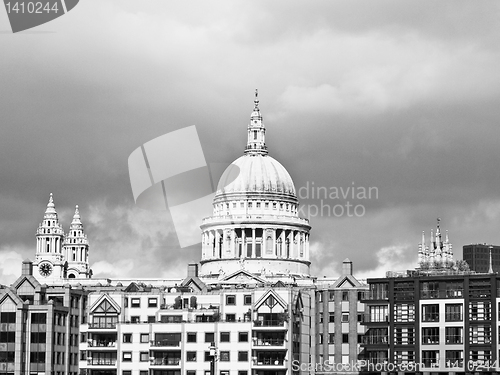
x: 45, y: 269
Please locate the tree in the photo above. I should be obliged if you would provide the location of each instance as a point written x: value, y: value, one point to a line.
x: 178, y: 303
x: 192, y: 302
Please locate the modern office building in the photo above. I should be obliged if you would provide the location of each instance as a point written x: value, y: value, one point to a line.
x: 432, y: 319
x: 39, y: 326
x: 478, y: 257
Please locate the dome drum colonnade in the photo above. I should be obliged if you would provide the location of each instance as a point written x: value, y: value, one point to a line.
x: 255, y: 223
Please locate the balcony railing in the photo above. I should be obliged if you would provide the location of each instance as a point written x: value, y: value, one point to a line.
x: 165, y: 361
x: 101, y: 361
x: 269, y: 323
x: 375, y: 318
x: 375, y: 296
x: 269, y: 362
x: 373, y: 340
x: 102, y: 325
x: 101, y: 344
x: 268, y: 342
x: 164, y: 343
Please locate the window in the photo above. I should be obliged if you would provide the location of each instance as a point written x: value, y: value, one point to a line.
x: 430, y: 358
x: 360, y: 317
x: 345, y: 338
x: 453, y: 312
x: 224, y: 356
x: 320, y: 297
x: 320, y: 339
x: 152, y: 302
x: 224, y: 337
x: 135, y: 319
x: 404, y: 312
x: 208, y: 357
x: 453, y: 335
x: 209, y: 337
x: 242, y: 336
x: 331, y: 338
x: 404, y: 336
x: 430, y: 335
x: 126, y: 372
x: 189, y: 372
x: 127, y: 337
x: 480, y: 334
x: 331, y: 296
x: 144, y: 356
x: 243, y: 356
x: 345, y: 318
x: 230, y: 317
x: 242, y: 372
x: 191, y: 356
x: 151, y: 319
x: 231, y: 299
x: 345, y: 296
x: 320, y: 318
x: 378, y: 313
x: 331, y: 317
x: 430, y: 313
x: 429, y: 289
x: 454, y: 358
x: 127, y: 357
x: 145, y: 372
x: 135, y: 302
x: 144, y: 337
x: 191, y: 337
x: 247, y: 299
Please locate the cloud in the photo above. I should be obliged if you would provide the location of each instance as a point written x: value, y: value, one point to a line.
x: 10, y: 264
x: 391, y: 258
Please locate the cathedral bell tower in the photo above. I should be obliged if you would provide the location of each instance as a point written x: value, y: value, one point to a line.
x: 76, y: 250
x: 49, y: 259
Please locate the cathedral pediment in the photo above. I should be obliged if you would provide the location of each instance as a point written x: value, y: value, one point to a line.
x: 243, y: 277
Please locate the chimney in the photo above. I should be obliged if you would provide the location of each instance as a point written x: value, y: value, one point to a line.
x: 193, y: 270
x: 27, y: 268
x: 347, y: 267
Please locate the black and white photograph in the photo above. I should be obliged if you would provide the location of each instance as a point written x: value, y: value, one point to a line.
x: 249, y: 187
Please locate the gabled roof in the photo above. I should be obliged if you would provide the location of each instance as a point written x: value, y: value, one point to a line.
x: 9, y: 294
x: 244, y: 276
x: 16, y: 285
x: 195, y: 283
x: 279, y: 284
x: 266, y: 295
x: 106, y: 303
x: 347, y: 281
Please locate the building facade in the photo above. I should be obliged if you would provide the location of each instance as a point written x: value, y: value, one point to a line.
x: 481, y: 256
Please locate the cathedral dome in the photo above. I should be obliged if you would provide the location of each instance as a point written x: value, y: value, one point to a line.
x: 255, y: 174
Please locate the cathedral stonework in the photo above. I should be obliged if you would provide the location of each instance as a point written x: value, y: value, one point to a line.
x: 59, y: 256
x: 255, y: 224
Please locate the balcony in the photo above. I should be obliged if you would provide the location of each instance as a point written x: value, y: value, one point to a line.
x: 108, y: 326
x: 101, y: 344
x: 101, y: 361
x: 165, y: 361
x: 375, y: 318
x: 269, y: 361
x: 268, y: 342
x: 375, y: 340
x: 164, y: 343
x: 375, y: 296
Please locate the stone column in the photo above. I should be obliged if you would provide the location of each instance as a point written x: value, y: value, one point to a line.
x: 253, y: 243
x: 243, y: 243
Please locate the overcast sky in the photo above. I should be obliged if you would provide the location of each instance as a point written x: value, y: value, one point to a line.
x: 403, y: 96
